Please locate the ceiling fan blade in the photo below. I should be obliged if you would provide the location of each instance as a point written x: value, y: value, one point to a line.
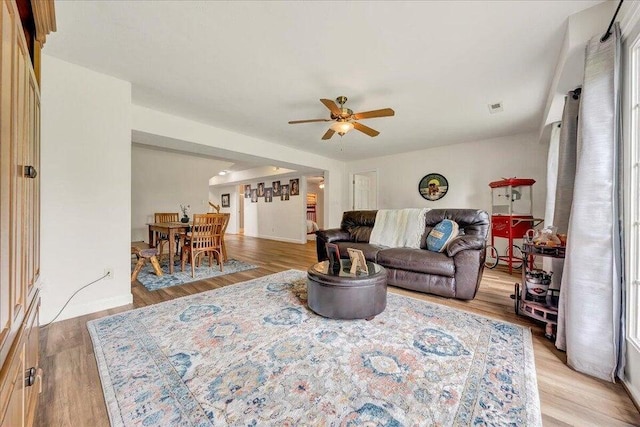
x: 385, y: 112
x: 328, y: 134
x: 365, y: 129
x: 331, y: 106
x: 294, y: 122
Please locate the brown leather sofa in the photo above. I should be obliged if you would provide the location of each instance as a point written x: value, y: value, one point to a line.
x: 455, y: 273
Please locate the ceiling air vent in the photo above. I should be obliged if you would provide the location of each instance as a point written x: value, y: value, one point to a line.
x: 496, y: 108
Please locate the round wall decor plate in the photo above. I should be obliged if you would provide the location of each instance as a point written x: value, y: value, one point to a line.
x: 433, y: 186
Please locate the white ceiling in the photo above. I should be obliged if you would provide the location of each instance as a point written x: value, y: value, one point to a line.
x: 250, y: 67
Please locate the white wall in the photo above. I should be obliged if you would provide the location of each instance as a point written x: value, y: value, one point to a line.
x: 86, y: 189
x: 569, y: 70
x: 154, y: 122
x: 161, y: 181
x: 469, y: 167
x: 283, y: 220
x: 233, y: 209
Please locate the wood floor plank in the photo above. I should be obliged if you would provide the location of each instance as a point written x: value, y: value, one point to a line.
x: 72, y: 392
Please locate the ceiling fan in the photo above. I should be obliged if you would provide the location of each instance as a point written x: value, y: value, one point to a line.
x: 345, y: 119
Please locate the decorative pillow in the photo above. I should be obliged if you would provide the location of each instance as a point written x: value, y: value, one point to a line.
x: 441, y: 235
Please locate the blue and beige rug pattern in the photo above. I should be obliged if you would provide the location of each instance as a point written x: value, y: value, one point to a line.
x: 149, y: 280
x: 253, y: 354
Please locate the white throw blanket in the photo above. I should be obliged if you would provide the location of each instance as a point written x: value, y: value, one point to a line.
x: 399, y: 228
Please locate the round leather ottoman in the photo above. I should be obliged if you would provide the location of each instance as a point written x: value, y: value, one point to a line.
x: 341, y: 295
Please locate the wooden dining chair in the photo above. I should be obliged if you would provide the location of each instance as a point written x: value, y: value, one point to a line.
x: 205, y: 238
x: 227, y: 216
x: 161, y: 238
x: 224, y: 229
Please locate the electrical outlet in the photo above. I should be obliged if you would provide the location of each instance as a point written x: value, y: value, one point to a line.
x: 109, y: 273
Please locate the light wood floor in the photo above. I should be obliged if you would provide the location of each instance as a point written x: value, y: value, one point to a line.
x: 72, y: 394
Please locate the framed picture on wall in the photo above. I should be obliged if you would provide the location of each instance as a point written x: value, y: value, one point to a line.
x: 277, y: 189
x: 433, y: 186
x: 254, y: 195
x: 295, y: 186
x: 226, y: 200
x: 247, y: 191
x: 268, y: 195
x: 261, y: 189
x: 284, y: 192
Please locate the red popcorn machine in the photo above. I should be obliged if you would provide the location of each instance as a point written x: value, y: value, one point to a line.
x: 511, y: 217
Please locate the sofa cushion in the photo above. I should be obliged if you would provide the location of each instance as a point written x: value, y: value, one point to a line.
x: 418, y: 260
x: 358, y: 224
x: 445, y: 231
x: 360, y: 234
x: 370, y: 251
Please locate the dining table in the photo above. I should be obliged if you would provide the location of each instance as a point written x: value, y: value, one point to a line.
x: 171, y: 230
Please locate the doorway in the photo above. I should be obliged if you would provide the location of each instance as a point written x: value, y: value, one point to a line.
x: 241, y: 200
x: 364, y: 193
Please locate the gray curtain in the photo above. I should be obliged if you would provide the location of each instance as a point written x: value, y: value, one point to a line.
x: 565, y: 177
x: 567, y: 148
x: 591, y: 316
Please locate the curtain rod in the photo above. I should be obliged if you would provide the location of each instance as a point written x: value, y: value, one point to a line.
x: 608, y: 33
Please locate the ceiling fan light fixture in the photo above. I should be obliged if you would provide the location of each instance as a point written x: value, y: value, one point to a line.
x: 345, y: 119
x: 342, y: 127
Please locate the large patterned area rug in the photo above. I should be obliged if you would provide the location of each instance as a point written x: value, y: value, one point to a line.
x: 152, y: 282
x: 253, y: 354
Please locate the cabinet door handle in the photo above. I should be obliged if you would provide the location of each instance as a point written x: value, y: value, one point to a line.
x: 30, y: 172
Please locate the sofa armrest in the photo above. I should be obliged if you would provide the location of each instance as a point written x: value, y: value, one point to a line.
x: 469, y: 266
x: 327, y: 236
x: 463, y: 243
x: 332, y: 235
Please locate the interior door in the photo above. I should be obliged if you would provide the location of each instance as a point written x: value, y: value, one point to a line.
x: 364, y: 191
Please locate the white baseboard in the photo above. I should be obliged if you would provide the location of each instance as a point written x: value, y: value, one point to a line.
x: 279, y: 239
x: 90, y: 307
x: 633, y: 391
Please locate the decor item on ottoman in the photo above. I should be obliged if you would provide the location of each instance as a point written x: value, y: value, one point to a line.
x: 433, y: 186
x: 454, y: 273
x: 341, y: 294
x: 225, y: 357
x: 358, y: 262
x: 444, y: 232
x: 333, y: 254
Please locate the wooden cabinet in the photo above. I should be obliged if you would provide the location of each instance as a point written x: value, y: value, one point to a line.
x: 22, y: 34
